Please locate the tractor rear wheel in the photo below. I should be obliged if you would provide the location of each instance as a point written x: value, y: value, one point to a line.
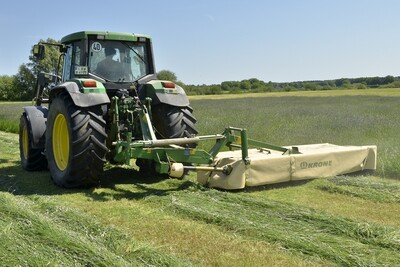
x: 170, y: 122
x: 174, y: 122
x: 75, y: 143
x: 32, y: 159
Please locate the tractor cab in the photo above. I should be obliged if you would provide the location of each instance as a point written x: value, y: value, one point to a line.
x: 107, y: 58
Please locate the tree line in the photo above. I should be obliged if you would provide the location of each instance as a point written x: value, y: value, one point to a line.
x: 19, y: 87
x: 254, y: 85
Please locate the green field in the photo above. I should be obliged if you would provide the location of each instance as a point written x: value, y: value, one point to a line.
x: 131, y: 220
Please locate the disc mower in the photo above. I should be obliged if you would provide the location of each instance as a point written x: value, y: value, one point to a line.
x: 109, y: 105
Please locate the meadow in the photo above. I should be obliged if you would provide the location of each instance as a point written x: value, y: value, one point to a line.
x: 10, y: 112
x: 132, y: 220
x: 348, y: 117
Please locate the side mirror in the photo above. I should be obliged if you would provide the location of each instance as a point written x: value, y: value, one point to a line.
x: 38, y: 51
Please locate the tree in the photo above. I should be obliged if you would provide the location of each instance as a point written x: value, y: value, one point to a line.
x: 25, y: 81
x: 362, y: 85
x: 256, y: 83
x: 229, y: 85
x: 7, y: 87
x: 26, y: 77
x: 388, y: 79
x: 245, y: 85
x: 50, y: 62
x: 167, y: 75
x: 311, y: 86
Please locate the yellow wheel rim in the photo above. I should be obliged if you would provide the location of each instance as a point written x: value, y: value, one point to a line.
x: 61, y: 142
x: 25, y: 142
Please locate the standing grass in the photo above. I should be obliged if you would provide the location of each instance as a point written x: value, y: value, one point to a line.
x: 10, y: 112
x: 8, y: 125
x: 342, y: 120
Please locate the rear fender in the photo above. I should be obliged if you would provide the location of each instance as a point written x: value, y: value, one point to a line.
x: 159, y: 92
x: 83, y: 96
x: 37, y: 118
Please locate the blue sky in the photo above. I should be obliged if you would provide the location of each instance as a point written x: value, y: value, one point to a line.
x: 211, y: 41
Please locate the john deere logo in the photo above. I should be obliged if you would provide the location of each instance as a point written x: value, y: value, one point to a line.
x: 318, y: 164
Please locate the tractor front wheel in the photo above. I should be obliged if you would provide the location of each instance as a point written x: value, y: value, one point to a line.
x: 32, y: 159
x: 75, y: 143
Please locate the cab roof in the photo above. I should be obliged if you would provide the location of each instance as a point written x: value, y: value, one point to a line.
x: 103, y: 35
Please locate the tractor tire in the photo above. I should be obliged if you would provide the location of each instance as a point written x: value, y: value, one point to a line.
x: 170, y: 122
x: 32, y: 159
x: 174, y: 122
x: 75, y: 143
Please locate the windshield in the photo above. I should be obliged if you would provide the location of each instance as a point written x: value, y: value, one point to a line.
x: 118, y: 61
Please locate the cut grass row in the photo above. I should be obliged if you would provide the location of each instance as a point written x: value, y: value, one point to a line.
x: 315, y: 233
x: 313, y: 195
x: 376, y: 191
x: 210, y: 227
x: 37, y: 232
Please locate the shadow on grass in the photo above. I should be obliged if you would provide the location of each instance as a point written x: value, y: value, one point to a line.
x: 145, y: 184
x: 17, y: 181
x: 364, y: 173
x: 123, y: 183
x: 125, y: 175
x: 274, y: 186
x: 7, y: 161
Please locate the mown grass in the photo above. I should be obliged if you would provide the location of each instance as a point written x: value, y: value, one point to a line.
x: 37, y: 232
x: 376, y: 191
x: 120, y: 206
x: 215, y: 228
x: 136, y: 220
x: 312, y: 194
x: 293, y: 227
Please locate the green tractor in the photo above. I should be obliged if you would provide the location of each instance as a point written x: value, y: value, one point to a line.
x: 109, y: 105
x: 103, y: 71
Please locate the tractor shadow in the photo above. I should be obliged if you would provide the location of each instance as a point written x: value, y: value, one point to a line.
x: 115, y: 175
x: 143, y: 185
x: 17, y: 181
x: 302, y: 182
x: 275, y: 186
x: 114, y: 183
